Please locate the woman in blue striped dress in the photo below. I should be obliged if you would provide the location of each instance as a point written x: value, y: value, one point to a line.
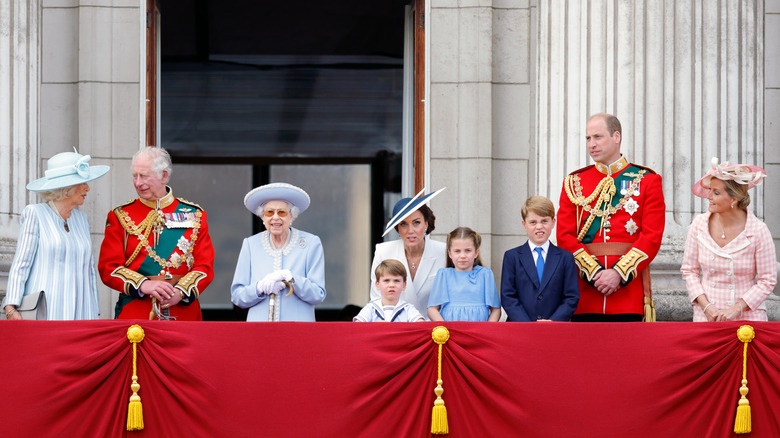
x: 54, y: 250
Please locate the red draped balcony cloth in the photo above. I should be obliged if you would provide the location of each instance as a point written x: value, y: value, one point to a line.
x: 211, y: 379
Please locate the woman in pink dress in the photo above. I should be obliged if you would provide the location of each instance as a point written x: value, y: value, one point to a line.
x: 729, y: 266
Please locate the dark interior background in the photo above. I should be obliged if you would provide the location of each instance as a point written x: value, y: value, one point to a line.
x: 282, y: 81
x: 348, y: 27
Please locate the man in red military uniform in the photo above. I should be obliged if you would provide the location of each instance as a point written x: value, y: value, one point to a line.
x: 157, y: 251
x: 611, y: 218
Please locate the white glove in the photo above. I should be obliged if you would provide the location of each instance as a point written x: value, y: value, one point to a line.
x: 277, y: 287
x: 284, y: 275
x: 265, y: 286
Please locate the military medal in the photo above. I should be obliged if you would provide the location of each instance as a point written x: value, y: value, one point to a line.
x: 179, y: 220
x: 624, y: 186
x: 631, y: 206
x: 631, y: 227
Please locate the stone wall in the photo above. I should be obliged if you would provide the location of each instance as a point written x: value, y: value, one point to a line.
x: 75, y: 79
x: 512, y: 85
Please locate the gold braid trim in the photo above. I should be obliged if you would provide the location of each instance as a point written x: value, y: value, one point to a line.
x: 189, y: 283
x: 190, y: 203
x: 587, y: 263
x: 141, y: 230
x: 605, y: 190
x: 153, y: 221
x: 627, y: 264
x: 130, y: 277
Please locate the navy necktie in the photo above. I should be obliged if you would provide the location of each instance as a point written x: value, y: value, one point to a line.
x: 539, y: 263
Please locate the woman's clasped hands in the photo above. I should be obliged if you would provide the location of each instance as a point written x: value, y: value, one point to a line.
x: 274, y: 282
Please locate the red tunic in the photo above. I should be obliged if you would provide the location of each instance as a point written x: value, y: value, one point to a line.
x: 643, y: 230
x: 183, y: 248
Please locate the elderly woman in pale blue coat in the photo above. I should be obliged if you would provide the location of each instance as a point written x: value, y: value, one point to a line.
x: 280, y: 274
x: 54, y: 249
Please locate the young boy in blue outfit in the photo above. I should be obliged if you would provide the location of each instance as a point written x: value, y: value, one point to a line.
x: 539, y: 280
x: 389, y: 307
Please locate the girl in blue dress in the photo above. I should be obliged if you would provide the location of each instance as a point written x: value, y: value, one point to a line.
x: 464, y: 290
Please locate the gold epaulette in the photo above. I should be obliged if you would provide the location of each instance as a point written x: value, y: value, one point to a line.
x: 190, y: 203
x: 188, y: 284
x: 130, y: 277
x: 627, y: 264
x: 123, y: 205
x: 582, y: 169
x: 649, y: 170
x: 587, y: 263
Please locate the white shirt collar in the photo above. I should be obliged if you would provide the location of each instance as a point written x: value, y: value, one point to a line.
x: 545, y: 246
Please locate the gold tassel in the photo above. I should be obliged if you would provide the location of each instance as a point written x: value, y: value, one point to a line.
x: 742, y: 423
x: 439, y: 424
x: 135, y: 412
x: 647, y: 289
x: 649, y: 310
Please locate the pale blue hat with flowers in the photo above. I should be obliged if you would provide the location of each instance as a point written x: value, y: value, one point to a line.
x: 67, y: 169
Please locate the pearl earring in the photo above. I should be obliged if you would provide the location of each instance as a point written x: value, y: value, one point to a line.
x: 732, y: 205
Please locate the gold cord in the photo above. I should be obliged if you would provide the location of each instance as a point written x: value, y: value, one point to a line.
x: 603, y: 208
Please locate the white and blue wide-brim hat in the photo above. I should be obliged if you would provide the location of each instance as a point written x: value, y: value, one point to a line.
x: 407, y: 206
x: 67, y: 169
x: 276, y: 192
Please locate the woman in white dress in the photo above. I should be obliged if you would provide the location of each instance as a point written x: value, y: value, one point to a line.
x: 54, y: 249
x: 421, y: 256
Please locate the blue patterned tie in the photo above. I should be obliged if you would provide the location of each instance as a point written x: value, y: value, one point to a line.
x: 539, y: 263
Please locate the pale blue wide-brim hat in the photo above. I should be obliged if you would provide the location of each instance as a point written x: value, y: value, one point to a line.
x: 67, y: 169
x: 289, y: 193
x: 407, y: 206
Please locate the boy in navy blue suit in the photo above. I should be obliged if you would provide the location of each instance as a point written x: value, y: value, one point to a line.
x: 539, y: 280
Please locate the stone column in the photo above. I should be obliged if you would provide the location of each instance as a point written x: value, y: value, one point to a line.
x: 684, y: 77
x: 82, y: 61
x: 18, y: 108
x: 772, y: 116
x: 481, y: 64
x: 19, y: 70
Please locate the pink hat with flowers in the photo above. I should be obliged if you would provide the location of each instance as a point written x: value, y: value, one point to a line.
x: 741, y: 173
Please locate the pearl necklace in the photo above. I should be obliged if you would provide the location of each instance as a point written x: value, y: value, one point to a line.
x: 54, y: 207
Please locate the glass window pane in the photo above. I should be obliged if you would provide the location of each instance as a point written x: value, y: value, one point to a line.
x: 220, y: 190
x: 340, y: 215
